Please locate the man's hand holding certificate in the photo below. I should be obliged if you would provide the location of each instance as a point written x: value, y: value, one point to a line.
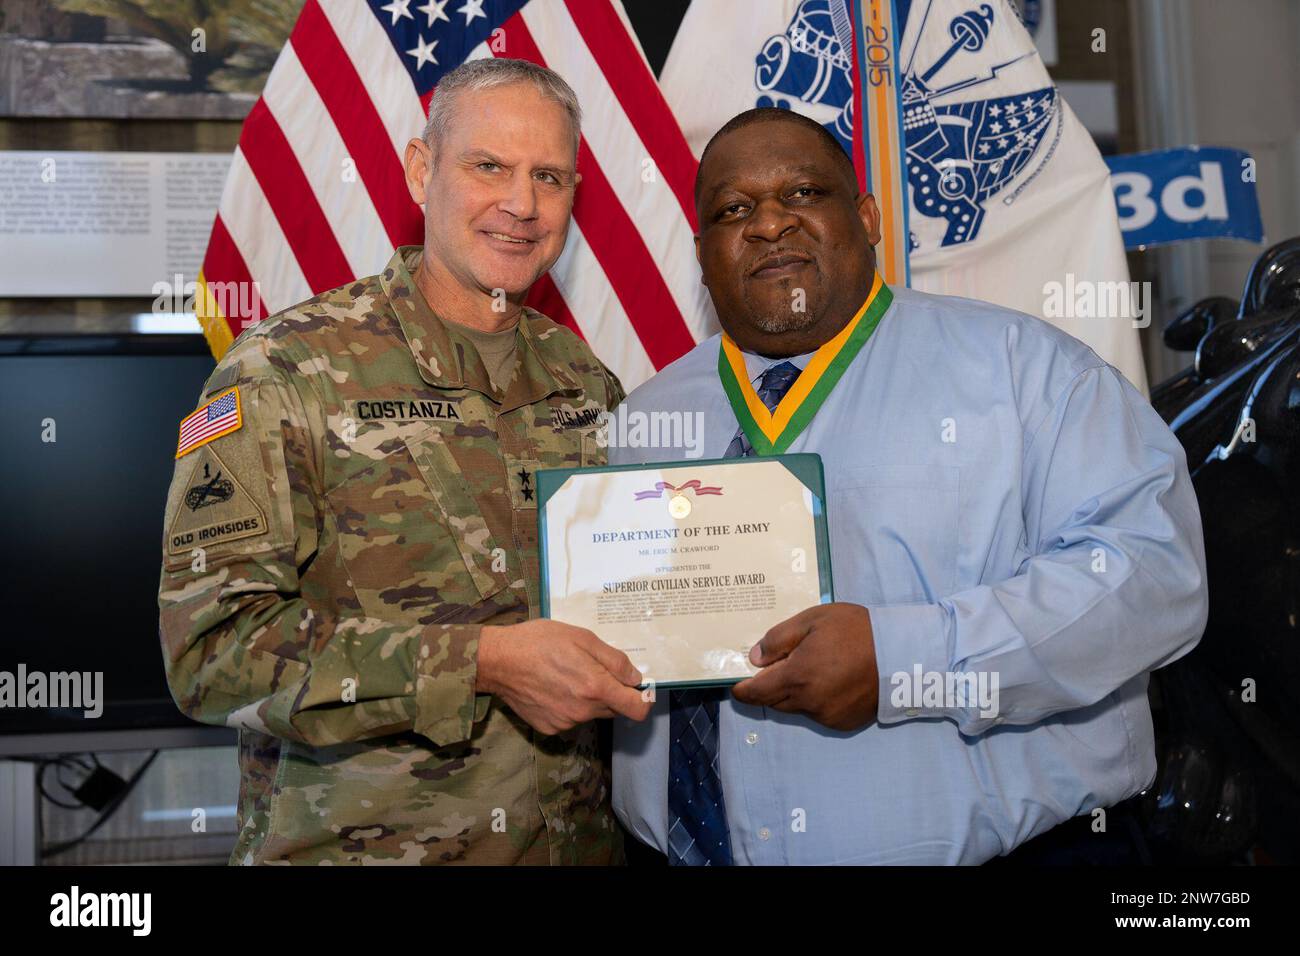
x: 822, y: 663
x: 685, y: 566
x: 557, y: 676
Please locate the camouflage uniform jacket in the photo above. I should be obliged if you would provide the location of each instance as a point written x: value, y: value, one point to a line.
x: 328, y: 563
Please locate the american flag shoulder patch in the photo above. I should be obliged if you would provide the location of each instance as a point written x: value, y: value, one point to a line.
x: 221, y: 416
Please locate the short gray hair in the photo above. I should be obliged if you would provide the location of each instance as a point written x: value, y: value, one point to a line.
x: 488, y: 73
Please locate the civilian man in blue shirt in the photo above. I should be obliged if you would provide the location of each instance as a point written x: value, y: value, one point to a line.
x: 1004, y: 507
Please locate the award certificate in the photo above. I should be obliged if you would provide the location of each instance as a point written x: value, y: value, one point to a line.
x: 684, y: 566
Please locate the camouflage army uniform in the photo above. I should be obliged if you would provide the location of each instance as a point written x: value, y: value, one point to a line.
x: 374, y: 507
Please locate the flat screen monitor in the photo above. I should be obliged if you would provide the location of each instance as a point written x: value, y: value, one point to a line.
x: 87, y: 438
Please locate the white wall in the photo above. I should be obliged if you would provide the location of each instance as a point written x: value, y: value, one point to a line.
x: 1247, y: 73
x: 1216, y: 73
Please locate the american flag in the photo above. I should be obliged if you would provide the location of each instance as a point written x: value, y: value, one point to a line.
x: 315, y: 196
x: 221, y: 416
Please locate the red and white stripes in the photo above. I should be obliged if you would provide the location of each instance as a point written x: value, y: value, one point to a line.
x: 316, y: 196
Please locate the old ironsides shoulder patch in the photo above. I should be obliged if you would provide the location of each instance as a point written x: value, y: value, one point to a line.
x: 221, y: 416
x: 215, y: 508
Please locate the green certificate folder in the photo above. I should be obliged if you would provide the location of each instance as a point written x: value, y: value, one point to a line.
x: 684, y: 565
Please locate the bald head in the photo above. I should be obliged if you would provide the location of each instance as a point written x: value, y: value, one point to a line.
x: 772, y: 115
x: 785, y: 234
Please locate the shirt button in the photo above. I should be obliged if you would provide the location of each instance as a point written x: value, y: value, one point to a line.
x: 764, y: 833
x: 911, y: 712
x: 751, y: 738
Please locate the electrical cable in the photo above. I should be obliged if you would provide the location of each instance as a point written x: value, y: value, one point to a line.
x: 57, y: 848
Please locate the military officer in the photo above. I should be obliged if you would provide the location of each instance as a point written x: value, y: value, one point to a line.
x: 350, y: 571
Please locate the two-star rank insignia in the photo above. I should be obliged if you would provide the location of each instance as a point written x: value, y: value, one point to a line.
x: 522, y: 475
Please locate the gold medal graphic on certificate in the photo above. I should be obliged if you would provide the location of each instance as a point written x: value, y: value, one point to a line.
x: 684, y: 566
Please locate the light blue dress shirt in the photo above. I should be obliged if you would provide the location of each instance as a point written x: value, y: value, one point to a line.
x: 1003, y: 501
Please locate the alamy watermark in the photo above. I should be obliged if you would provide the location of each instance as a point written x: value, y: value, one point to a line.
x: 243, y: 299
x: 1086, y: 299
x: 66, y: 690
x: 944, y: 690
x: 77, y: 909
x: 623, y: 428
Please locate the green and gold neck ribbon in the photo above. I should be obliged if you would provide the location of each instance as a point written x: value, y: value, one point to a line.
x: 772, y: 432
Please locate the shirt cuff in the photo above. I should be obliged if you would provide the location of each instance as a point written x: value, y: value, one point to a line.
x: 911, y: 641
x: 446, y: 705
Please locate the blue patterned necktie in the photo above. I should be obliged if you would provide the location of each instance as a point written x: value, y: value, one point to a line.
x: 697, y: 815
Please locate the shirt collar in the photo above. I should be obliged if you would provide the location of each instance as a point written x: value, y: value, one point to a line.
x: 756, y: 364
x: 447, y: 362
